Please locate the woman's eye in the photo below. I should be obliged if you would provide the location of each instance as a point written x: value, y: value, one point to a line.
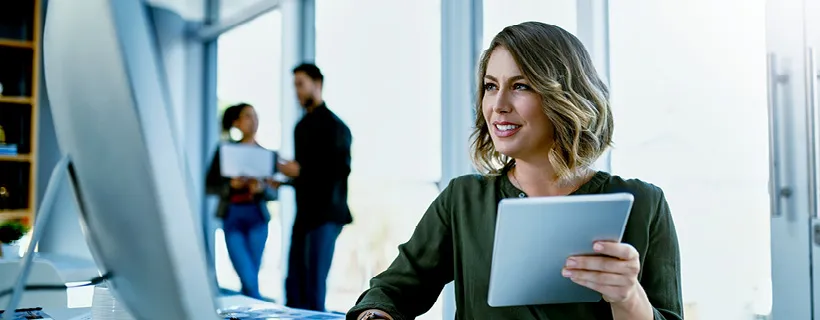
x: 489, y: 86
x: 521, y: 86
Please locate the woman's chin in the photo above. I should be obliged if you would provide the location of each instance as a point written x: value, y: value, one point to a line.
x: 507, y: 152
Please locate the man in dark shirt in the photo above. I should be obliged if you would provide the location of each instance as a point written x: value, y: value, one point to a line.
x: 319, y: 176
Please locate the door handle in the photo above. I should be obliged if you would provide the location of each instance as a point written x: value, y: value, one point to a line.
x: 774, y: 81
x: 814, y: 134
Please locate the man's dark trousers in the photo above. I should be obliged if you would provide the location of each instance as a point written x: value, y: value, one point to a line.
x: 311, y: 254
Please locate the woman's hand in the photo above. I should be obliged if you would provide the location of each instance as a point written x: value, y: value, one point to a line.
x: 374, y: 314
x: 238, y: 183
x: 273, y: 183
x: 614, y: 275
x: 256, y: 186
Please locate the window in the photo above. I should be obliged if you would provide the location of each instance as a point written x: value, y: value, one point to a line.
x: 384, y: 82
x: 249, y: 70
x: 231, y: 8
x: 502, y: 13
x: 689, y: 102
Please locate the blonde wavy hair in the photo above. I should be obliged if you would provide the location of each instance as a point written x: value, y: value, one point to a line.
x: 574, y: 98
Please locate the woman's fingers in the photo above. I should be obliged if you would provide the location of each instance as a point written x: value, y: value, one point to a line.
x: 614, y: 274
x: 623, y: 251
x: 602, y: 264
x: 597, y: 277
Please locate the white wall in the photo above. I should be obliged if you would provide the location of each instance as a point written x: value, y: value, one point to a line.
x: 689, y: 97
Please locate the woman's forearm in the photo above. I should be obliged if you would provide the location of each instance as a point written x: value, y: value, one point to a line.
x: 637, y: 307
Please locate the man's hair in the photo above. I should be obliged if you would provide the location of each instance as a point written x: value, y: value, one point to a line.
x: 573, y: 97
x: 311, y: 70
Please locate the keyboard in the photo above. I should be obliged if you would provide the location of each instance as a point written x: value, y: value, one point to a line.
x: 25, y: 314
x: 262, y: 313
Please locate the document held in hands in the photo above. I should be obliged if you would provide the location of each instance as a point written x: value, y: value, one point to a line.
x: 239, y: 160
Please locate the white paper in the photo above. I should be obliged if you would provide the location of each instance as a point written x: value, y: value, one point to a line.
x: 238, y: 160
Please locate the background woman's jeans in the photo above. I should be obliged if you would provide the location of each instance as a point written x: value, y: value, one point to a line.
x: 246, y: 232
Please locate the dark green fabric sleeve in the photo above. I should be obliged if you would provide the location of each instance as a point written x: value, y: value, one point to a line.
x: 661, y: 277
x: 413, y: 282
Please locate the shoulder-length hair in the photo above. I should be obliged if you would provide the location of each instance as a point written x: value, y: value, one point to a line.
x: 573, y: 96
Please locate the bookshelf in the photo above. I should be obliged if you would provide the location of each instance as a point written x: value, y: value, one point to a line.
x: 20, y: 30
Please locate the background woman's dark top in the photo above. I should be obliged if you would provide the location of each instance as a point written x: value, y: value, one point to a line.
x: 454, y: 241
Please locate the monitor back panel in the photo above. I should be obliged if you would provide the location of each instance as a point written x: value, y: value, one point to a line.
x: 111, y: 115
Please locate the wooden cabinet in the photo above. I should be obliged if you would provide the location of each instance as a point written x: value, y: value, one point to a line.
x: 20, y: 30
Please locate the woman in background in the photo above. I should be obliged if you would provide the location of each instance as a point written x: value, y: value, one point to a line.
x: 242, y: 204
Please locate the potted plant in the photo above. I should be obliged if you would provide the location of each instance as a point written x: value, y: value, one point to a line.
x: 10, y: 232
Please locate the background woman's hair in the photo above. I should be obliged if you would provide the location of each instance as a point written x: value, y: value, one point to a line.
x: 231, y: 114
x: 576, y: 101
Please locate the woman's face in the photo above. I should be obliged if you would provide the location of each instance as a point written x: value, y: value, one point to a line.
x: 515, y: 118
x: 247, y: 121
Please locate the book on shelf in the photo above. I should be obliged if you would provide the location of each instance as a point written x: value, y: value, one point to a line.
x: 8, y: 149
x: 15, y: 138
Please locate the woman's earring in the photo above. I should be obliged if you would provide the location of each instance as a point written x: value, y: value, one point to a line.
x: 235, y: 134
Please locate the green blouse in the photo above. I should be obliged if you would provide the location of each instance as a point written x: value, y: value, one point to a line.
x: 454, y: 242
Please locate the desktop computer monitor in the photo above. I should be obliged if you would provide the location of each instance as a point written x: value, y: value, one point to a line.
x: 112, y: 119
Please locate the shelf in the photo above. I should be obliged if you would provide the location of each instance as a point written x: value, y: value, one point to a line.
x: 17, y: 43
x: 11, y: 214
x: 20, y: 71
x: 23, y: 215
x: 18, y: 158
x: 16, y: 100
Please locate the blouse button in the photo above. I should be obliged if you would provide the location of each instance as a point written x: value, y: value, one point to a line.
x: 522, y: 195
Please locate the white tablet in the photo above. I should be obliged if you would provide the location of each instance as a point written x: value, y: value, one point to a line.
x: 243, y: 160
x: 535, y: 236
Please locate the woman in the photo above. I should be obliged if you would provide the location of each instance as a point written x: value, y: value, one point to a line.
x: 242, y: 204
x: 542, y: 119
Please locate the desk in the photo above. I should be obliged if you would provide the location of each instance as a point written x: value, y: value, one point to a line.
x: 70, y: 314
x: 222, y: 303
x: 71, y: 269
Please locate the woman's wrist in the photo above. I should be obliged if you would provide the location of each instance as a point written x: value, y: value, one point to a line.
x: 636, y: 307
x: 373, y: 314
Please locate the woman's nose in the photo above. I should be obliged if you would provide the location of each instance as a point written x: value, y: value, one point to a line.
x: 502, y: 102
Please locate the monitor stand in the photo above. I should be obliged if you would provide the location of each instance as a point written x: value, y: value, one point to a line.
x: 58, y: 175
